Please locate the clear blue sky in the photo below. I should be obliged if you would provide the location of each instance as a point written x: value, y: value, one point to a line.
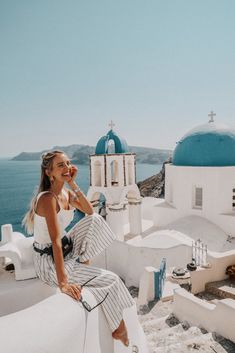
x: 155, y: 67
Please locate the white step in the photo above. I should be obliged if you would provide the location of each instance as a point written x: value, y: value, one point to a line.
x: 174, y: 335
x: 201, y: 344
x: 166, y: 335
x: 161, y: 309
x: 168, y: 291
x: 147, y: 317
x: 161, y: 338
x: 155, y: 324
x: 206, y: 343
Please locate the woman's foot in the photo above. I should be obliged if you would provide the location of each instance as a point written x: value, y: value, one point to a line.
x: 121, y: 334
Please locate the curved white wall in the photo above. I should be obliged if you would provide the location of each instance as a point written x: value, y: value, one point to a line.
x: 134, y: 258
x: 56, y: 324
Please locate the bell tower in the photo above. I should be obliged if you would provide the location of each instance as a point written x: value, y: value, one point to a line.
x: 113, y: 184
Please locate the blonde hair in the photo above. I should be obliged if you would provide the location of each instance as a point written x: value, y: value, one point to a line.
x: 45, y: 184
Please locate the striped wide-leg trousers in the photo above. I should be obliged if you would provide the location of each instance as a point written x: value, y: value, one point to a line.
x: 90, y: 236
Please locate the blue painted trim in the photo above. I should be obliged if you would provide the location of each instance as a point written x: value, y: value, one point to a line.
x: 156, y: 284
x: 159, y: 280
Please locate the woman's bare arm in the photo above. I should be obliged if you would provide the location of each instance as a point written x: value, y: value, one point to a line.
x: 81, y: 203
x: 48, y: 206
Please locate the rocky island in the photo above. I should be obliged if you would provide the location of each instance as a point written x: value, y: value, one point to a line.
x: 80, y: 154
x: 154, y: 186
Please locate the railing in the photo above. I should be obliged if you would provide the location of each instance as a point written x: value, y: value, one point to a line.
x: 199, y: 252
x: 159, y: 279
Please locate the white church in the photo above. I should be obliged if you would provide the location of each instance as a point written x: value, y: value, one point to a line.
x: 198, y: 208
x: 201, y: 179
x: 199, y: 201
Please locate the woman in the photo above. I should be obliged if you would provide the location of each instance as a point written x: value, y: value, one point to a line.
x: 50, y: 213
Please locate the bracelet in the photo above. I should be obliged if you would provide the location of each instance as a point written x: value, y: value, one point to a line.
x: 76, y: 196
x: 77, y: 190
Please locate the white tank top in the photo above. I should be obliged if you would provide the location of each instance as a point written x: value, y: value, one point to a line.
x: 41, y: 234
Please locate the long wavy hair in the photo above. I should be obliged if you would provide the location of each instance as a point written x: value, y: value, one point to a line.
x: 45, y: 184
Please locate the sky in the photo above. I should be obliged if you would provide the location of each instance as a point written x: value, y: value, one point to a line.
x: 156, y: 68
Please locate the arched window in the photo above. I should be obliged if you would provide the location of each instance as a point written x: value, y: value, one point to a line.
x: 97, y: 173
x: 130, y: 173
x: 114, y: 173
x: 111, y: 147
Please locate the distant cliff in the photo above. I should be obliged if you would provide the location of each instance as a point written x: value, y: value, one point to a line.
x: 27, y: 156
x: 150, y: 155
x: 155, y: 185
x: 80, y: 154
x: 75, y: 152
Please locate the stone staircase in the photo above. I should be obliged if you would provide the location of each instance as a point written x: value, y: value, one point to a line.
x: 222, y: 289
x: 165, y: 334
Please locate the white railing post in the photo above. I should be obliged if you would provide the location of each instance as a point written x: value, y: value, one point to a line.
x: 199, y: 252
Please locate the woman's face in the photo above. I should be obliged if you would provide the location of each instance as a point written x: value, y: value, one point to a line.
x: 61, y: 168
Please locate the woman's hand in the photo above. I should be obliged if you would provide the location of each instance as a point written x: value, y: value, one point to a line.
x: 73, y: 173
x: 73, y: 290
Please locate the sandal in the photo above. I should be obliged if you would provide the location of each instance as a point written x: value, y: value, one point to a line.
x: 135, y: 349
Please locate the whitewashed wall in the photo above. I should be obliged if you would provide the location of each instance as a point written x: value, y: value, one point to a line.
x: 217, y: 183
x: 132, y: 259
x: 56, y: 324
x: 219, y: 318
x: 148, y: 204
x: 216, y: 272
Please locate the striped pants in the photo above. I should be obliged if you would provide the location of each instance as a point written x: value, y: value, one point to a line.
x: 90, y: 236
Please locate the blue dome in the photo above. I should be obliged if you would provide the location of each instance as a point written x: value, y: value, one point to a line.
x: 211, y: 145
x: 120, y: 145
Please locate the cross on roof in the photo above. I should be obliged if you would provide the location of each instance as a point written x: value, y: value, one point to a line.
x: 111, y: 124
x: 211, y: 115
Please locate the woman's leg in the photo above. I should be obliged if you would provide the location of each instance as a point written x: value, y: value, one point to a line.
x: 90, y: 237
x: 121, y: 333
x: 106, y: 282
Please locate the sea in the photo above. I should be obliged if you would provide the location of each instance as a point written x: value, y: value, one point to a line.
x: 19, y: 180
